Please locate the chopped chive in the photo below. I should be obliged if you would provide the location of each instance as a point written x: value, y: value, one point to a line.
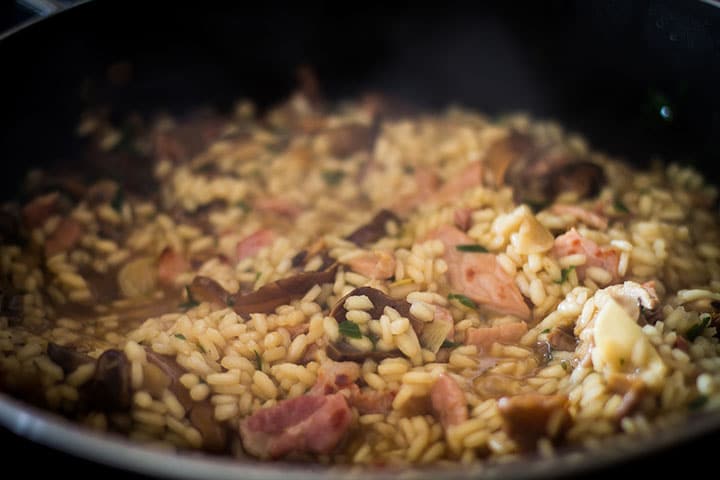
x: 449, y: 344
x: 350, y: 329
x: 697, y: 329
x: 202, y: 349
x: 333, y: 177
x: 408, y: 169
x: 620, y: 206
x: 547, y: 330
x: 258, y: 359
x: 564, y: 274
x: 462, y: 299
x: 180, y: 336
x: 698, y: 402
x: 471, y: 248
x: 257, y: 276
x: 565, y: 366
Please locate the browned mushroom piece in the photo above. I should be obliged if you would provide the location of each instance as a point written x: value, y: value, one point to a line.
x: 165, y: 372
x: 110, y: 388
x: 379, y: 301
x: 563, y: 339
x: 543, y: 352
x: 214, y: 433
x: 69, y: 359
x: 539, y: 173
x: 373, y: 230
x: 529, y: 417
x: 205, y: 289
x: 502, y: 154
x: 583, y: 178
x: 267, y: 298
x: 345, y: 140
x: 344, y: 352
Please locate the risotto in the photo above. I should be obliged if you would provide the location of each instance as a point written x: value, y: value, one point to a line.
x: 356, y: 285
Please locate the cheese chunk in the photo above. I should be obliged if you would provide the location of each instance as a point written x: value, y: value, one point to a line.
x: 621, y: 346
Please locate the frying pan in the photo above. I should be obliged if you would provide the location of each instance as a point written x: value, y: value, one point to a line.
x: 638, y: 78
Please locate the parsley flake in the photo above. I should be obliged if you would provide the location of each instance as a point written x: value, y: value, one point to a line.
x: 462, y: 299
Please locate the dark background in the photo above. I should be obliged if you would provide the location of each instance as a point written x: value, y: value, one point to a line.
x: 603, y: 68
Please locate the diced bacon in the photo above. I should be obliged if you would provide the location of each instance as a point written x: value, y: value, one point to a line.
x: 306, y: 424
x: 469, y: 177
x: 448, y: 401
x: 40, y: 209
x: 65, y: 236
x: 170, y: 265
x: 334, y: 376
x: 253, y: 243
x: 484, y: 337
x: 462, y: 218
x: 587, y: 217
x: 373, y: 265
x: 571, y: 243
x: 371, y: 401
x: 279, y: 206
x: 479, y: 276
x: 426, y: 183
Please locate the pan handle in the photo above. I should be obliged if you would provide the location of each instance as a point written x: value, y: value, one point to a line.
x: 42, y: 8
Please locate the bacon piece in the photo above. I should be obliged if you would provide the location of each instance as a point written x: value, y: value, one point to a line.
x: 334, y: 376
x: 279, y: 206
x: 571, y: 243
x: 253, y: 243
x: 170, y: 265
x: 462, y: 218
x: 479, y: 276
x: 469, y: 177
x: 373, y: 265
x: 65, y: 236
x: 306, y: 424
x: 371, y: 401
x: 40, y: 209
x: 484, y: 337
x: 448, y: 401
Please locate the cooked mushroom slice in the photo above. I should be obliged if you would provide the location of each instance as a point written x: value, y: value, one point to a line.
x: 379, y: 301
x: 168, y: 377
x: 563, y: 339
x: 267, y: 298
x: 374, y: 230
x: 343, y: 351
x: 109, y: 388
x: 205, y: 289
x: 529, y: 417
x: 214, y: 434
x: 67, y: 358
x: 345, y: 140
x: 583, y: 178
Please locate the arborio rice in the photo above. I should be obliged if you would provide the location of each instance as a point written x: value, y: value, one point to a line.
x: 355, y: 286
